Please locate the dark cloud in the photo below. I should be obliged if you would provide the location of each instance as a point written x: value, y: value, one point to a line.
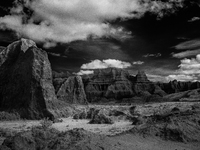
x: 67, y: 21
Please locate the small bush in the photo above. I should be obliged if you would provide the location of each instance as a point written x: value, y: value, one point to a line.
x: 4, y: 132
x: 46, y: 123
x: 80, y: 115
x: 8, y: 116
x: 100, y: 118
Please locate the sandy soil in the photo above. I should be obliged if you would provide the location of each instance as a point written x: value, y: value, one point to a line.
x: 124, y: 141
x: 135, y: 142
x: 69, y: 123
x: 106, y: 129
x: 116, y: 131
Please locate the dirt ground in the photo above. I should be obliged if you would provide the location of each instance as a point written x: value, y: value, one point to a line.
x: 118, y: 133
x: 125, y: 141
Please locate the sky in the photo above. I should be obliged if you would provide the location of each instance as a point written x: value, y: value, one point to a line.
x: 161, y: 37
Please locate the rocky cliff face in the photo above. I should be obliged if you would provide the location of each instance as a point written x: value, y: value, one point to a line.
x: 177, y: 86
x: 26, y: 81
x: 117, y: 84
x: 72, y: 91
x: 142, y: 86
x: 190, y: 95
x: 108, y: 83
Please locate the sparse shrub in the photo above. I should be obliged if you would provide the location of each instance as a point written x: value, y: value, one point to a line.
x: 57, y: 120
x: 136, y: 120
x: 116, y: 113
x: 80, y: 115
x: 99, y: 117
x: 8, y: 116
x: 4, y: 132
x: 46, y: 123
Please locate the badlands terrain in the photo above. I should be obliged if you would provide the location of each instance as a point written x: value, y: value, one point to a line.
x: 41, y: 108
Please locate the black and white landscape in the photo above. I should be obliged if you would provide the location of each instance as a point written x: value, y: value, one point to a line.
x: 100, y: 74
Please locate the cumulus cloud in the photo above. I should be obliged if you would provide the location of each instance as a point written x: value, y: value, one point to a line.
x: 182, y: 77
x: 152, y: 55
x: 85, y: 72
x: 186, y: 53
x: 189, y: 70
x: 70, y: 20
x: 156, y: 78
x: 108, y: 63
x: 138, y: 62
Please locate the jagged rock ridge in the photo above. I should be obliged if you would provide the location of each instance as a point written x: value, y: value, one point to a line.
x: 108, y: 83
x: 177, y: 86
x: 113, y: 83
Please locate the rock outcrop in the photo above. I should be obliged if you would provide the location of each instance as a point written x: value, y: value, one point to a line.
x: 59, y: 78
x: 178, y: 86
x: 142, y: 86
x: 190, y: 95
x: 108, y: 83
x: 26, y: 81
x: 72, y: 91
x: 118, y: 84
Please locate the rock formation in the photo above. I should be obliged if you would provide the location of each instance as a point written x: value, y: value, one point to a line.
x: 72, y: 91
x: 108, y: 83
x: 59, y: 78
x: 177, y: 86
x: 142, y: 86
x: 26, y: 81
x: 118, y: 84
x: 190, y: 95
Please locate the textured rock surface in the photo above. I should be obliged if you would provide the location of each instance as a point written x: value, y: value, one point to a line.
x: 142, y: 86
x: 108, y: 83
x: 191, y: 95
x: 177, y: 86
x: 26, y: 81
x: 51, y: 139
x: 115, y: 83
x: 72, y: 91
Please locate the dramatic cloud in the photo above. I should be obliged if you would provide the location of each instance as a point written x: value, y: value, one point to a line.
x: 156, y: 78
x: 85, y: 72
x: 108, y: 63
x: 192, y: 44
x: 182, y: 77
x: 186, y: 53
x: 189, y: 70
x: 69, y: 20
x: 138, y: 63
x: 100, y: 49
x: 152, y: 55
x: 194, y: 19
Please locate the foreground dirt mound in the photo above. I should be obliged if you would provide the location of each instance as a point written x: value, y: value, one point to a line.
x: 182, y: 126
x: 51, y: 139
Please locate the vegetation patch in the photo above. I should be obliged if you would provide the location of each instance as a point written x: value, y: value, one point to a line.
x: 9, y: 116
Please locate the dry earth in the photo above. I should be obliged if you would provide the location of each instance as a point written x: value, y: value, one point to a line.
x: 119, y: 136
